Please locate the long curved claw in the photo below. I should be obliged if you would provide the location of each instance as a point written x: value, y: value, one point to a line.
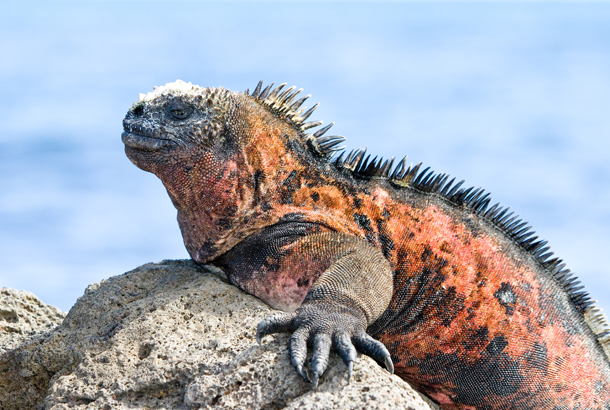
x: 343, y: 345
x: 389, y: 365
x: 350, y: 367
x: 303, y: 374
x: 375, y: 349
x: 314, y: 383
x: 275, y: 323
x: 319, y: 358
x: 297, y: 349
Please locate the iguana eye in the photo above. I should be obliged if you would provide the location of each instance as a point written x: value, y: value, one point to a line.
x: 138, y: 110
x: 179, y: 110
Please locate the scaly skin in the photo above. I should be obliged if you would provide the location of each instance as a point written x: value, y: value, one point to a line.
x: 467, y: 313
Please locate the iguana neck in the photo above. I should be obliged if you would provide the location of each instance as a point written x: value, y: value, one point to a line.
x: 222, y: 200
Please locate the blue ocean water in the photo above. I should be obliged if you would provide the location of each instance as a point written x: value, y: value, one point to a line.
x: 512, y: 97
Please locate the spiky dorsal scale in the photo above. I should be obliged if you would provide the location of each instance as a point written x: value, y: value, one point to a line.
x: 281, y: 102
x: 470, y: 199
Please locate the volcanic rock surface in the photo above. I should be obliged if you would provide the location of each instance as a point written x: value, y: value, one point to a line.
x: 171, y: 335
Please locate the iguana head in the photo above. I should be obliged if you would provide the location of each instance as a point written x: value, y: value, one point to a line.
x: 174, y: 119
x: 220, y: 155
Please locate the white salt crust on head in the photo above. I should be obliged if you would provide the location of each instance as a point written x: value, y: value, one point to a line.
x: 178, y: 87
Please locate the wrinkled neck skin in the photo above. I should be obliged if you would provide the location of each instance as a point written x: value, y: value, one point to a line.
x: 222, y: 192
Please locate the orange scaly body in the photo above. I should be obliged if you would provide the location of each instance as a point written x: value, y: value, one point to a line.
x: 472, y: 308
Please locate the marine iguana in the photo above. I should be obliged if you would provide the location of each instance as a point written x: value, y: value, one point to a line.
x: 459, y: 298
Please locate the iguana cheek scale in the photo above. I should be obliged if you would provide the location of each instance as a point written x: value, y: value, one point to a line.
x: 459, y: 298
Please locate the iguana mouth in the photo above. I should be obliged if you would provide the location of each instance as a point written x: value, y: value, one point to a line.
x: 140, y: 138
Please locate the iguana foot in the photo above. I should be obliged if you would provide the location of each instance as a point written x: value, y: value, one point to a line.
x: 322, y: 326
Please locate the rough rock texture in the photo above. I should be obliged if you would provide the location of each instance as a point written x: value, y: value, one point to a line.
x: 173, y: 335
x: 23, y: 316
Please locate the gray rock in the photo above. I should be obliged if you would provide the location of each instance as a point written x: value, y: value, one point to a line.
x: 24, y: 316
x: 174, y: 335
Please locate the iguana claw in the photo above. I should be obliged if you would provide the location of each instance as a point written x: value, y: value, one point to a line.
x: 350, y: 367
x: 314, y: 383
x: 389, y: 365
x: 304, y: 374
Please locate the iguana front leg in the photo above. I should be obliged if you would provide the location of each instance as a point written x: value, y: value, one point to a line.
x: 338, y: 284
x: 349, y: 296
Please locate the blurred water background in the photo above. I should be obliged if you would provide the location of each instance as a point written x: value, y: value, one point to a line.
x: 513, y: 97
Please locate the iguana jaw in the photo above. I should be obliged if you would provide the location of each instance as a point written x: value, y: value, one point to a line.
x: 145, y: 135
x: 144, y: 142
x: 143, y: 138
